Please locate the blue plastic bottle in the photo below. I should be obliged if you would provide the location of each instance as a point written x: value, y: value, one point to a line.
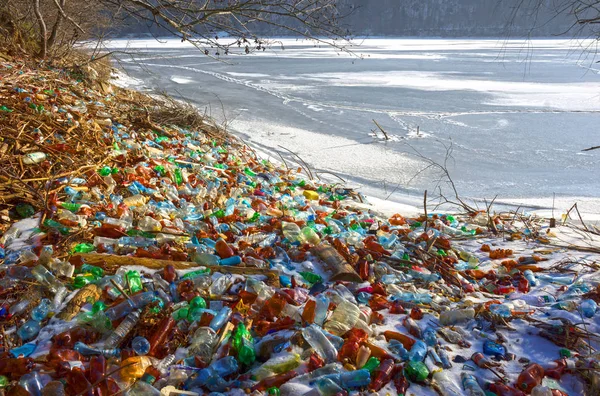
x: 220, y: 319
x: 588, y: 308
x: 491, y: 348
x: 418, y: 351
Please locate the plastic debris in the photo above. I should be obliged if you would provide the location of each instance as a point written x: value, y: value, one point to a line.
x: 174, y: 260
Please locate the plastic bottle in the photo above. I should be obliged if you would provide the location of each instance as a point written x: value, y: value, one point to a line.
x: 470, y: 385
x: 382, y: 375
x: 418, y: 351
x: 315, y: 337
x: 449, y: 318
x: 140, y: 345
x: 429, y: 336
x: 220, y: 319
x: 144, y: 387
x: 351, y: 379
x: 416, y: 371
x: 530, y: 377
x: 137, y: 301
x: 116, y: 337
x: 291, y: 232
x: 344, y: 318
x: 397, y: 348
x: 202, y: 343
x: 445, y: 385
x: 588, y: 308
x: 494, y: 349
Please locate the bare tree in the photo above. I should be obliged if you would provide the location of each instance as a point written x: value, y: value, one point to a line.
x: 203, y: 23
x: 583, y: 15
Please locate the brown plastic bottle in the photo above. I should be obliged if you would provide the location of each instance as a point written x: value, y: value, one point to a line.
x: 160, y: 334
x: 530, y: 377
x: 275, y: 381
x: 77, y: 383
x: 383, y: 375
x: 16, y: 367
x: 308, y: 314
x: 223, y: 249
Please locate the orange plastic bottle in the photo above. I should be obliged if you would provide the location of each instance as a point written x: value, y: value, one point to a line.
x: 530, y: 377
x: 406, y: 341
x: 308, y: 314
x: 223, y: 249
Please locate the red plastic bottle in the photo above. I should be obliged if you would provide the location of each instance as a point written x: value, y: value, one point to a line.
x: 558, y: 371
x: 378, y: 302
x: 272, y: 307
x: 67, y: 339
x: 416, y: 313
x: 530, y: 377
x: 400, y: 382
x: 501, y: 389
x: 523, y: 285
x: 383, y: 375
x: 314, y: 362
x: 169, y: 273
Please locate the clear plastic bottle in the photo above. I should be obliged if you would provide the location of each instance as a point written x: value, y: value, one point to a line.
x: 116, y: 337
x: 291, y: 232
x: 445, y: 385
x: 203, y: 343
x: 321, y: 309
x: 448, y: 318
x: 344, y: 318
x: 319, y: 342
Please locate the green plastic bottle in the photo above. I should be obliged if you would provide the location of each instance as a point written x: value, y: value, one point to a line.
x: 178, y: 176
x: 181, y: 313
x: 134, y: 281
x: 416, y: 371
x: 243, y: 344
x: 159, y: 169
x: 104, y: 171
x: 64, y: 230
x: 25, y: 210
x: 371, y: 364
x: 73, y: 207
x: 92, y: 269
x: 249, y: 172
x: 311, y: 277
x: 82, y: 280
x: 84, y: 248
x: 193, y: 274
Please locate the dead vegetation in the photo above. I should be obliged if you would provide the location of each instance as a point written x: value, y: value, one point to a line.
x: 69, y: 118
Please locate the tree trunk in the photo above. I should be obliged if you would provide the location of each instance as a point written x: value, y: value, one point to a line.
x: 43, y: 30
x: 56, y: 27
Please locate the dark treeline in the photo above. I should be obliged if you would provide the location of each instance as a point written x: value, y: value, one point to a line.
x: 445, y: 18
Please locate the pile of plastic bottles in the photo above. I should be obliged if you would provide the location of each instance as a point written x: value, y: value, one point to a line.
x: 361, y: 302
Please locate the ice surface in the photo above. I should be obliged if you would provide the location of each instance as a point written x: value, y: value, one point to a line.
x: 517, y: 114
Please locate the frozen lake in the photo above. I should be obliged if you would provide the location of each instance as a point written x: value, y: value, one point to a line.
x: 516, y: 114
